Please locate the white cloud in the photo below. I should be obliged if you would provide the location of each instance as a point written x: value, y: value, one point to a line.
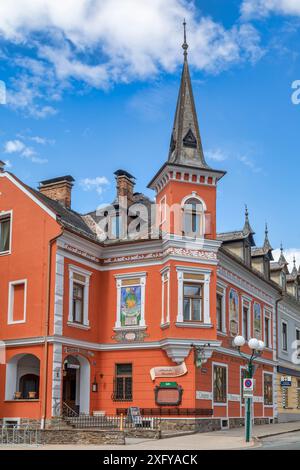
x: 249, y: 163
x: 18, y: 147
x: 216, y: 155
x: 99, y: 183
x: 262, y: 8
x: 289, y: 254
x: 102, y: 42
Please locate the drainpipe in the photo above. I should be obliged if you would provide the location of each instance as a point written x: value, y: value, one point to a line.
x: 47, y: 321
x: 277, y: 343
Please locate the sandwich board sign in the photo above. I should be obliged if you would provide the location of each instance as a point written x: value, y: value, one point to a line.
x: 248, y: 386
x: 135, y: 415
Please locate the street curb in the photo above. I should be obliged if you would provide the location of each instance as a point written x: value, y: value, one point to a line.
x: 264, y: 436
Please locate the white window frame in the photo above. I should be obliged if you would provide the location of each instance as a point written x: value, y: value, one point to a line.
x: 206, y: 295
x: 222, y: 287
x: 122, y: 277
x: 165, y: 280
x: 202, y: 222
x: 10, y: 316
x: 2, y: 215
x: 261, y: 319
x: 246, y: 301
x: 283, y: 322
x: 163, y: 210
x: 86, y: 274
x: 268, y: 315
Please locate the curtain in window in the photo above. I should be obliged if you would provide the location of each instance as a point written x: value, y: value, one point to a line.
x: 4, y: 235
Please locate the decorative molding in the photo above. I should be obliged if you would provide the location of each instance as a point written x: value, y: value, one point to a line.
x: 130, y: 336
x: 56, y: 379
x: 10, y: 317
x: 59, y: 295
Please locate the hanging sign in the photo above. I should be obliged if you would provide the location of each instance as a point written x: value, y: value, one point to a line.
x: 168, y: 371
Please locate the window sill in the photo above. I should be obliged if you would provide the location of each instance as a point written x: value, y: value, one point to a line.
x: 129, y: 328
x: 78, y: 325
x: 221, y: 333
x: 192, y: 324
x: 22, y: 400
x: 165, y: 325
x: 5, y: 253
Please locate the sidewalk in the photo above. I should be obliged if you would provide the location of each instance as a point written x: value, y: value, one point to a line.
x: 220, y: 440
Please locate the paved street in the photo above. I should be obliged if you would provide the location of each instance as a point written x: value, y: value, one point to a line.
x: 290, y: 441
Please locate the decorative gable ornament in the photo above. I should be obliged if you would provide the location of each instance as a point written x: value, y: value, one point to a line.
x: 190, y: 140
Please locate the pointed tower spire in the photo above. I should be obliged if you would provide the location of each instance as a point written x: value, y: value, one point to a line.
x: 282, y: 261
x: 267, y: 245
x: 186, y: 146
x: 294, y: 271
x: 247, y: 227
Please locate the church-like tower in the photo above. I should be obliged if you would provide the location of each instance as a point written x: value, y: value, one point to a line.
x: 186, y: 175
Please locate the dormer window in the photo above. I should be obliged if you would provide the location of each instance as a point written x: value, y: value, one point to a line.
x: 193, y: 218
x: 283, y: 280
x: 190, y: 140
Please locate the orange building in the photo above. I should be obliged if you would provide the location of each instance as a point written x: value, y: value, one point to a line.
x: 105, y: 311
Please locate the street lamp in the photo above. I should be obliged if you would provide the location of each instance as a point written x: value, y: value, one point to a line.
x: 257, y: 346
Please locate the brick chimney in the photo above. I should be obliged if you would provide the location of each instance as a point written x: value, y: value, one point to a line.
x: 125, y: 184
x: 59, y: 189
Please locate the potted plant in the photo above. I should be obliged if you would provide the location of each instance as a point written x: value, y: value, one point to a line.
x: 31, y: 395
x: 18, y: 395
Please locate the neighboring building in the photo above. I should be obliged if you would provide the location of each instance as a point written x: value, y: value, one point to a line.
x: 288, y: 377
x: 93, y: 324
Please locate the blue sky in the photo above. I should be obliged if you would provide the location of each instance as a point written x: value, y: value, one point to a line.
x: 92, y: 87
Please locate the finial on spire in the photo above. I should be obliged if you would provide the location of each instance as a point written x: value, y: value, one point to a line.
x: 267, y: 245
x: 184, y: 45
x: 247, y: 227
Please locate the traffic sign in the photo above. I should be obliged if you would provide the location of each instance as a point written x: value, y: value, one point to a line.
x: 248, y: 386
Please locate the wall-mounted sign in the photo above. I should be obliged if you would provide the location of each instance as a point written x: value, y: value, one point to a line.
x: 201, y: 395
x: 286, y: 381
x: 168, y: 396
x: 168, y: 371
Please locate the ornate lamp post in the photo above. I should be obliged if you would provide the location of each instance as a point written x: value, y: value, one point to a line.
x: 257, y: 346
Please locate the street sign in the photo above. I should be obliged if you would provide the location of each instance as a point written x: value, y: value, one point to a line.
x: 248, y: 386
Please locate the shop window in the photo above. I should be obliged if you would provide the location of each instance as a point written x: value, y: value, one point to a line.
x: 220, y: 384
x: 5, y: 233
x: 192, y: 302
x: 268, y: 389
x: 123, y: 383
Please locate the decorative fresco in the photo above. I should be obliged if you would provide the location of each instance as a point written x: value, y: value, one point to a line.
x: 257, y: 320
x: 233, y: 312
x: 130, y: 306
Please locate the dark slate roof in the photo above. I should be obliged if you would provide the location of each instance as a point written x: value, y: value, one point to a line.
x: 275, y: 266
x: 67, y: 217
x: 232, y: 236
x: 124, y: 173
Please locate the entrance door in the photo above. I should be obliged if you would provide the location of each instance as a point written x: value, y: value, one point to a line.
x: 71, y: 383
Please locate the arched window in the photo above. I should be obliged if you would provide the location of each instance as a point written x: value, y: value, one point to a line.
x: 193, y: 217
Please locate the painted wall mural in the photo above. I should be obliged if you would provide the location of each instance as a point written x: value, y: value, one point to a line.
x: 130, y: 306
x: 233, y: 312
x: 257, y: 321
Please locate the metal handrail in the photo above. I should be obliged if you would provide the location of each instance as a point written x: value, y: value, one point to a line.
x: 68, y: 412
